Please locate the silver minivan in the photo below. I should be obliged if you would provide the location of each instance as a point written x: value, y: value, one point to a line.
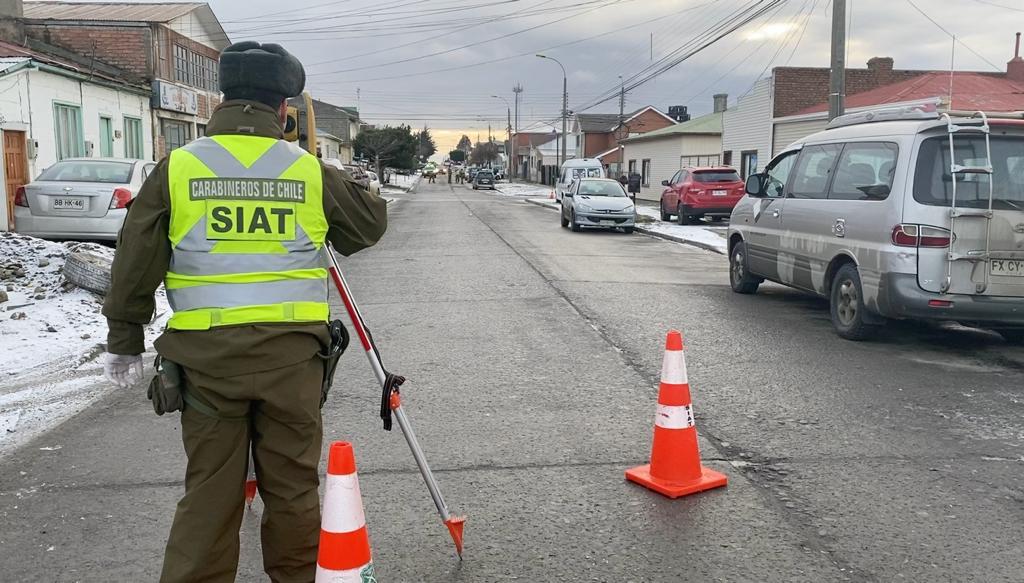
x: 893, y: 213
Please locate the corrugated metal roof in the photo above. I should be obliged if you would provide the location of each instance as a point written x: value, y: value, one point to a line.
x: 974, y: 91
x: 110, y: 11
x: 705, y: 124
x: 598, y: 122
x: 8, y: 62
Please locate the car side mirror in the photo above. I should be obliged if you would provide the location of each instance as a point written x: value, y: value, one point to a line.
x: 755, y: 185
x: 567, y: 194
x: 664, y: 182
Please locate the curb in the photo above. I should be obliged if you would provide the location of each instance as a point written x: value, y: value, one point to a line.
x: 646, y: 231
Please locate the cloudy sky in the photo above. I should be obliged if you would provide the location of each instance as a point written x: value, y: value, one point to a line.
x: 438, y: 62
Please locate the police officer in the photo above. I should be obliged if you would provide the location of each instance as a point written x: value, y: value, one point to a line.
x: 234, y: 224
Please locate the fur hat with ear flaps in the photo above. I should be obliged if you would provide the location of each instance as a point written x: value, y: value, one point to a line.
x: 249, y: 66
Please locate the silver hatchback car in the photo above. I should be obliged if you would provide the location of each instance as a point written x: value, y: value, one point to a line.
x: 597, y: 202
x: 80, y: 198
x: 893, y: 213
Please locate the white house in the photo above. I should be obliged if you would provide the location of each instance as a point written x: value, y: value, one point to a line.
x: 657, y: 155
x: 747, y: 129
x: 51, y: 109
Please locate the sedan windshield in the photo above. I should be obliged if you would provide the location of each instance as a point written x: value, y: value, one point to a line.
x: 88, y: 171
x: 602, y: 188
x: 716, y: 176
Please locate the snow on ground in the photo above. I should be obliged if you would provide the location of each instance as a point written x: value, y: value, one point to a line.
x: 400, y: 183
x: 703, y: 235
x: 712, y: 238
x: 51, y: 334
x: 522, y: 189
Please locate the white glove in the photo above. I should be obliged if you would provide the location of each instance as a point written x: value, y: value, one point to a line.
x: 124, y: 370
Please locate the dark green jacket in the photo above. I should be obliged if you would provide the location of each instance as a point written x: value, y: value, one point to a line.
x: 357, y: 220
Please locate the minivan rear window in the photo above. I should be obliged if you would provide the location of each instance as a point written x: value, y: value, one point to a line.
x: 933, y: 184
x: 708, y: 176
x: 88, y: 171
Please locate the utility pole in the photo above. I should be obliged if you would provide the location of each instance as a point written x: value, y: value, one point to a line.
x: 622, y: 133
x: 516, y: 90
x: 837, y: 77
x: 565, y: 117
x: 508, y: 150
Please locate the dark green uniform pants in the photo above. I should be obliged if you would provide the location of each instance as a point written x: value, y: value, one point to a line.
x: 280, y: 412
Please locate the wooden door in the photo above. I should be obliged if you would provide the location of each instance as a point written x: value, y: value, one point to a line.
x: 15, y: 168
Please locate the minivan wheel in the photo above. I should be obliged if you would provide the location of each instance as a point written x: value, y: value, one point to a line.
x: 572, y: 222
x: 681, y: 217
x: 739, y: 277
x: 849, y: 316
x: 665, y: 216
x: 561, y: 215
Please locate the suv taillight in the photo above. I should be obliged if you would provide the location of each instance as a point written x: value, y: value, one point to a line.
x: 121, y: 198
x: 20, y: 199
x: 910, y: 235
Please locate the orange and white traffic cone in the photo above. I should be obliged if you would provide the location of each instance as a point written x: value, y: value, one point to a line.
x: 675, y: 468
x: 344, y: 555
x: 250, y: 483
x: 552, y: 195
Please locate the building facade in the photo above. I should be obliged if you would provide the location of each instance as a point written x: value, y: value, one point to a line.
x: 171, y: 47
x: 52, y: 109
x: 657, y: 155
x: 598, y: 135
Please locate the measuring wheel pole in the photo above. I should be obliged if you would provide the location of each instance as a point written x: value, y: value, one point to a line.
x: 454, y: 524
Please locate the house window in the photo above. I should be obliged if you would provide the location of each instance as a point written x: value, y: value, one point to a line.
x: 68, y: 130
x: 133, y: 138
x: 192, y: 68
x: 708, y: 160
x: 176, y: 133
x: 727, y: 158
x: 748, y: 163
x: 200, y: 130
x: 181, y: 64
x: 645, y: 172
x: 632, y: 166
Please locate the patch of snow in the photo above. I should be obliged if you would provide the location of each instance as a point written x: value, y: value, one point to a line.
x: 51, y: 334
x: 707, y: 236
x: 521, y: 189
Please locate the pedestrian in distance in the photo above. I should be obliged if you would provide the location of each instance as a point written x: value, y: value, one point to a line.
x: 235, y: 225
x: 634, y: 183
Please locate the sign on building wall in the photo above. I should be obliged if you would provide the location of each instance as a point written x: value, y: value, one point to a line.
x: 175, y: 98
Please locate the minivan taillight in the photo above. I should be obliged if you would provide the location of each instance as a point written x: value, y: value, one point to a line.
x: 121, y: 198
x: 910, y: 235
x: 20, y: 198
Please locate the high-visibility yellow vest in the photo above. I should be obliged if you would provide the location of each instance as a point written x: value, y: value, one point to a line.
x: 247, y: 233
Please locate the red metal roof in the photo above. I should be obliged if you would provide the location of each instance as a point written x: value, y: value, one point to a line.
x: 119, y: 11
x: 975, y: 91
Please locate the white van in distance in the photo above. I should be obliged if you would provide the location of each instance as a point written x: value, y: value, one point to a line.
x: 578, y: 168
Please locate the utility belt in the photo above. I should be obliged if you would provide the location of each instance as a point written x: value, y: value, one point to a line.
x: 168, y: 394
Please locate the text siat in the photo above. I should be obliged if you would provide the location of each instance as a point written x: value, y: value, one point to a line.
x: 250, y: 222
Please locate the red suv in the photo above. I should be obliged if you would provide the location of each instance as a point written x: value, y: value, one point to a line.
x: 698, y: 192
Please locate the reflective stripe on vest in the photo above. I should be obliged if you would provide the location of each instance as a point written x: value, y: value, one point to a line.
x: 247, y: 233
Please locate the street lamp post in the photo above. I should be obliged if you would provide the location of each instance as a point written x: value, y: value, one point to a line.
x: 565, y: 105
x: 508, y: 145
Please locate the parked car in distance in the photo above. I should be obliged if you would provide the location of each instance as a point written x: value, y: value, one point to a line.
x: 575, y: 169
x: 471, y: 173
x: 694, y: 193
x: 429, y: 169
x: 80, y: 198
x: 484, y: 179
x: 499, y: 174
x: 873, y: 214
x: 374, y: 182
x: 597, y: 202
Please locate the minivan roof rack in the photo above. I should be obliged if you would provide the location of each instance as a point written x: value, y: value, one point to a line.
x: 917, y: 112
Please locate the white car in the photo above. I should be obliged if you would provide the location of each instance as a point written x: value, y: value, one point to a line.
x: 374, y: 184
x: 80, y: 198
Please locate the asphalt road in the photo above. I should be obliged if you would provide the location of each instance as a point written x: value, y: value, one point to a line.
x: 533, y: 355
